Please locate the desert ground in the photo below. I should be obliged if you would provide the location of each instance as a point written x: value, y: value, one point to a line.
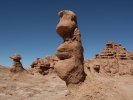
x: 25, y: 86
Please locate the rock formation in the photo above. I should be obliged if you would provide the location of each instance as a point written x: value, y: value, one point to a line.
x: 36, y: 66
x: 43, y: 66
x: 17, y: 66
x: 114, y: 50
x: 114, y: 59
x: 70, y: 53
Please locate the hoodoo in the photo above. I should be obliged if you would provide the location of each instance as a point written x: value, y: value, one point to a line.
x: 17, y: 65
x: 70, y: 53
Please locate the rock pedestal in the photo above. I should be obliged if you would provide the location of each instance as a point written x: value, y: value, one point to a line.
x: 17, y: 65
x: 70, y: 53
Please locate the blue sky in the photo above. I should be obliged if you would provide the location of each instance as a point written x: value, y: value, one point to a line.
x: 27, y: 27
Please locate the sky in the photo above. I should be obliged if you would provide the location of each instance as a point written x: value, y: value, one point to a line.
x: 27, y: 27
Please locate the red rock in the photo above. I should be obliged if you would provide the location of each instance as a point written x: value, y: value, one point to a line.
x: 17, y: 66
x: 43, y: 66
x: 114, y: 50
x: 114, y: 59
x: 70, y: 53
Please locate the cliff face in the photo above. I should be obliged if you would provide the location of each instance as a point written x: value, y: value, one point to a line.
x: 114, y: 59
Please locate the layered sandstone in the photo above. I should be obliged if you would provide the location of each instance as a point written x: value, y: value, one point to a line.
x: 114, y: 50
x: 114, y: 59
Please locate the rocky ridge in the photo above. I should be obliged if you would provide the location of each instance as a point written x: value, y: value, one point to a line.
x: 114, y: 59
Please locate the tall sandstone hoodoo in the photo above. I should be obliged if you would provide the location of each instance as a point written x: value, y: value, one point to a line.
x: 70, y: 53
x: 17, y: 66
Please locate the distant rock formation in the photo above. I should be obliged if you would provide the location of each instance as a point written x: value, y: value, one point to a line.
x: 70, y: 53
x: 114, y: 50
x: 17, y: 65
x: 43, y: 66
x: 114, y: 59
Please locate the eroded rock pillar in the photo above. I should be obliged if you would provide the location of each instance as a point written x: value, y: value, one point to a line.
x: 70, y: 53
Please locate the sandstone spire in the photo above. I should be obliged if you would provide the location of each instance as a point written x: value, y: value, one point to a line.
x: 70, y: 53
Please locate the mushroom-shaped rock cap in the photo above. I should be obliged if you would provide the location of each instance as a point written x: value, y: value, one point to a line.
x: 16, y: 57
x: 67, y: 23
x: 67, y: 12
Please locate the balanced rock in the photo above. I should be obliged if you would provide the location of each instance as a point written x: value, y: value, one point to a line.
x: 17, y: 65
x: 70, y: 53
